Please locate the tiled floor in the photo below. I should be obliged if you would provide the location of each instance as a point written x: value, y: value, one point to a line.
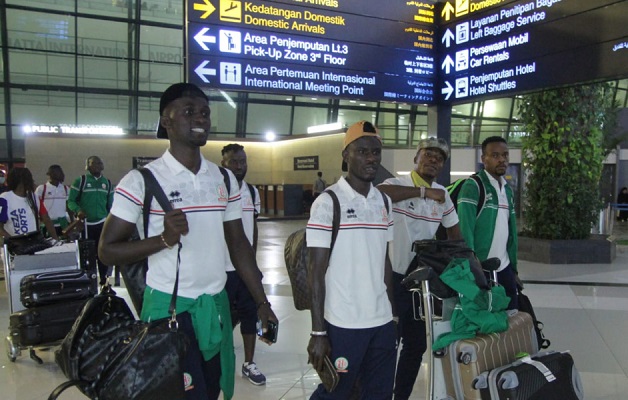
x: 584, y: 307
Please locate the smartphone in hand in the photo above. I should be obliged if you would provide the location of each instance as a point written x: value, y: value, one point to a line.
x: 271, y: 332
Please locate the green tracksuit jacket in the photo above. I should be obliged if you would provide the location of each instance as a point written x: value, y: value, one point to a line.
x: 478, y: 229
x: 96, y: 199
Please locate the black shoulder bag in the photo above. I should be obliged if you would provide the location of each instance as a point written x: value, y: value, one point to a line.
x: 109, y: 355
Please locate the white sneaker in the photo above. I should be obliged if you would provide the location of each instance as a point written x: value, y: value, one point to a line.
x: 249, y: 370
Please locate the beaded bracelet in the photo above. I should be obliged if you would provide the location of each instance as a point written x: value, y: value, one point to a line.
x: 318, y: 333
x: 164, y: 242
x: 422, y: 192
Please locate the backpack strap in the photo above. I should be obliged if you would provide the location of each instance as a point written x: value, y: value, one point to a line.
x: 482, y: 197
x: 225, y: 175
x: 152, y: 189
x: 253, y: 198
x: 81, y: 188
x: 335, y: 221
x: 32, y: 202
x: 385, y: 202
x: 43, y: 194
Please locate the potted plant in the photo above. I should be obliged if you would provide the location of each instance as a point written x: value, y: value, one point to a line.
x: 570, y: 133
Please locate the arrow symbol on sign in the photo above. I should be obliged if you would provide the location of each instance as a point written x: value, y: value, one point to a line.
x: 201, y: 38
x: 207, y: 7
x: 201, y: 71
x: 447, y: 37
x: 447, y: 91
x: 447, y: 64
x: 447, y: 10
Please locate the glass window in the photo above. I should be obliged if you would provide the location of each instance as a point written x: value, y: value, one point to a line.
x: 462, y: 110
x: 112, y: 8
x: 492, y: 128
x: 224, y: 115
x: 61, y: 5
x: 156, y: 77
x: 167, y: 11
x: 103, y: 109
x: 161, y: 45
x: 349, y: 117
x: 361, y: 103
x: 265, y: 118
x: 103, y: 73
x: 42, y: 107
x: 40, y: 31
x: 305, y: 117
x: 498, y: 108
x: 461, y: 131
x: 102, y: 38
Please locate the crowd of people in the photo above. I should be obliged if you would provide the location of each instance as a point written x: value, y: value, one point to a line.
x: 360, y: 313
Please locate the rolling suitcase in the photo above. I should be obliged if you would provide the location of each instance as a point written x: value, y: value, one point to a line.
x: 464, y: 360
x: 45, y: 324
x: 54, y: 287
x: 548, y: 375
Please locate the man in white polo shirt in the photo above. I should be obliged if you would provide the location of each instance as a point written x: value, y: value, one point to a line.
x: 352, y: 289
x: 206, y: 218
x: 54, y: 195
x: 420, y: 206
x: 242, y: 304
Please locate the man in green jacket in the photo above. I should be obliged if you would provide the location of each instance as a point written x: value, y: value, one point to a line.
x: 490, y: 229
x: 90, y: 198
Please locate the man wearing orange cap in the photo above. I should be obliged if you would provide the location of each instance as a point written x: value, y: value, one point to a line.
x: 352, y: 287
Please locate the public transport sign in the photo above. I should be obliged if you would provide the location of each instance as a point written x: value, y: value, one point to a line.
x: 314, y: 47
x: 498, y: 48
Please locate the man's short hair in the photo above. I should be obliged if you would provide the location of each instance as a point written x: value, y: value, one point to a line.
x: 233, y: 147
x: 320, y: 174
x: 174, y: 92
x: 53, y: 167
x: 492, y: 139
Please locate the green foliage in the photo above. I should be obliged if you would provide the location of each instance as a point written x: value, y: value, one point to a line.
x: 564, y: 154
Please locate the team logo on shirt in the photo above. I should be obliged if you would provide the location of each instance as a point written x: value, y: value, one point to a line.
x: 187, y: 381
x: 341, y: 364
x: 384, y: 215
x: 351, y: 213
x: 411, y: 206
x: 434, y: 210
x: 222, y: 193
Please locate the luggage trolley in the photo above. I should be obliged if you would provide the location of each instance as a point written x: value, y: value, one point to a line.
x: 70, y: 256
x: 434, y: 304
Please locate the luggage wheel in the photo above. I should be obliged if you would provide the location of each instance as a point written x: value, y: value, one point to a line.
x: 464, y: 358
x: 34, y: 357
x: 13, y: 351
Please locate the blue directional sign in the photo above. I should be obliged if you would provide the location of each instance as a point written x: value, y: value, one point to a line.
x: 392, y: 48
x: 519, y: 46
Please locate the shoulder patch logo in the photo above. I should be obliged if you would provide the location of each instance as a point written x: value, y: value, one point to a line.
x: 223, y: 196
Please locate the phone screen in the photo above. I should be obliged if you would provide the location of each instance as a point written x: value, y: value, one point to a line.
x: 271, y: 332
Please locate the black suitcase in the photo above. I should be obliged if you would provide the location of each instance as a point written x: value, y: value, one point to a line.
x: 55, y: 287
x: 46, y: 324
x: 547, y: 375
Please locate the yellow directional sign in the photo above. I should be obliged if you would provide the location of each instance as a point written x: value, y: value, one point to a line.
x: 230, y: 11
x: 207, y: 7
x: 447, y: 10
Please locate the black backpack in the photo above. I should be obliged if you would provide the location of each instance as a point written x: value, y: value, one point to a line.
x: 454, y: 190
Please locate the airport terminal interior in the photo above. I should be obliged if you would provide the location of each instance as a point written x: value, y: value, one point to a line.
x: 103, y: 64
x: 584, y: 308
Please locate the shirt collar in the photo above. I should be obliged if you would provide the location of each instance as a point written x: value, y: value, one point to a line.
x: 350, y: 192
x: 176, y: 167
x: 502, y: 181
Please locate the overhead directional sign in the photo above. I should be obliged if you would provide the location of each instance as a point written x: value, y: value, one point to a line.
x: 391, y: 49
x: 498, y: 48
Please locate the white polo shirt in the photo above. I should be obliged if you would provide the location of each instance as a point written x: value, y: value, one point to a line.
x: 356, y: 295
x: 499, y: 246
x: 55, y: 198
x: 249, y: 210
x: 204, y: 199
x: 416, y: 219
